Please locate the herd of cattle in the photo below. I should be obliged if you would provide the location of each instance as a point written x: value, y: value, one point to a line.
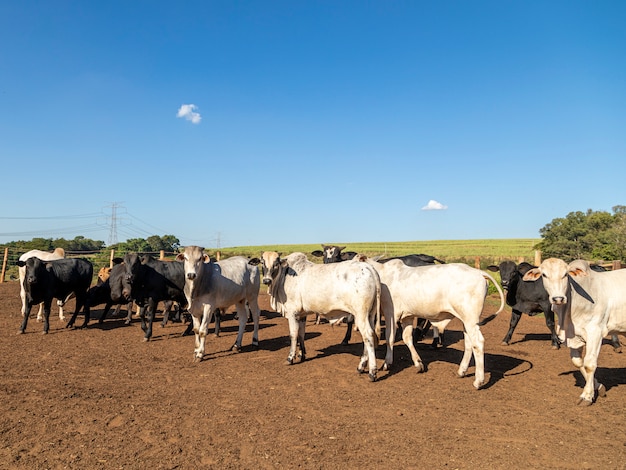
x: 590, y: 303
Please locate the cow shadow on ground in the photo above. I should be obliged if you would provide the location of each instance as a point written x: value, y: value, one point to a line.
x: 542, y: 337
x: 284, y: 342
x: 610, y: 377
x: 497, y: 366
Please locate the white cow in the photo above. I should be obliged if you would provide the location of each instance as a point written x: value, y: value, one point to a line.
x: 589, y: 306
x: 437, y: 293
x: 298, y: 287
x: 58, y: 253
x: 210, y: 285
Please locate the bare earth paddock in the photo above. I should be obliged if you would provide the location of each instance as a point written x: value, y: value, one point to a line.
x: 102, y: 398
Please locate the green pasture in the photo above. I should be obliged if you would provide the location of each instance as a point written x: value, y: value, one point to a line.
x: 488, y: 251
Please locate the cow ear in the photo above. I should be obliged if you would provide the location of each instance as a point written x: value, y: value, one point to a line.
x: 493, y: 268
x: 48, y: 266
x: 254, y: 261
x: 578, y: 268
x: 118, y: 260
x: 20, y: 263
x: 318, y: 253
x: 180, y: 257
x: 532, y: 275
x: 206, y: 258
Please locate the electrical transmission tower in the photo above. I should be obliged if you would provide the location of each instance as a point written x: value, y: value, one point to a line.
x: 113, y: 224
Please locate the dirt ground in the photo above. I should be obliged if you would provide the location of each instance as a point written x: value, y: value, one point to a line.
x: 103, y: 398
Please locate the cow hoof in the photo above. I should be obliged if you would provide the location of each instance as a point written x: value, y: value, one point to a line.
x: 44, y: 333
x: 618, y: 349
x: 235, y: 348
x: 145, y: 340
x: 420, y: 367
x: 289, y: 361
x: 360, y: 370
x: 504, y: 343
x: 601, y: 391
x: 197, y: 359
x: 584, y: 401
x: 21, y: 332
x: 385, y: 366
x: 372, y: 376
x: 478, y: 385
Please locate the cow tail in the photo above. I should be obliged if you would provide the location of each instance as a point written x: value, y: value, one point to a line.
x: 377, y: 329
x: 491, y: 317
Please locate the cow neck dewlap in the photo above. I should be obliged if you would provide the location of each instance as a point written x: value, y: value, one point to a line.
x: 277, y: 295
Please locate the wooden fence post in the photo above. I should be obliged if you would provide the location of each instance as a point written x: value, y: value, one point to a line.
x: 537, y: 257
x: 477, y: 262
x: 111, y: 258
x: 4, y: 263
x: 617, y: 264
x: 162, y: 255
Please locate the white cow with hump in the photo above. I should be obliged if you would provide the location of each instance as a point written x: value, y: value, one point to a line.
x: 210, y: 285
x: 437, y: 293
x: 58, y: 253
x: 589, y: 306
x: 298, y: 287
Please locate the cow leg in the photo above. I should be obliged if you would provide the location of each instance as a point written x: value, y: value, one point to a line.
x: 107, y: 307
x: 293, y: 336
x: 218, y: 322
x: 46, y: 316
x: 40, y: 312
x: 390, y: 336
x: 617, y: 346
x: 407, y: 337
x: 588, y: 365
x: 369, y: 353
x: 255, y: 312
x: 197, y: 322
x: 129, y: 312
x: 301, y: 331
x: 60, y: 304
x: 437, y: 338
x: 149, y: 318
x: 474, y: 343
x: 515, y: 318
x: 79, y: 304
x: 242, y: 315
x: 167, y: 307
x: 349, y: 328
x: 83, y: 303
x: 556, y: 343
x: 28, y: 307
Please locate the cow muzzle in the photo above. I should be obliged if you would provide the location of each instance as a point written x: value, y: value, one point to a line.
x: 267, y: 281
x: 191, y: 276
x: 559, y: 300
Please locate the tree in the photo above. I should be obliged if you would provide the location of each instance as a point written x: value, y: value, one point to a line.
x: 586, y: 235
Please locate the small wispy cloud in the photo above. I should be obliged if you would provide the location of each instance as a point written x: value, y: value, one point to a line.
x: 188, y: 112
x: 434, y: 206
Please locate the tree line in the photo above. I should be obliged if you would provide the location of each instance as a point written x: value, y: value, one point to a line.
x: 152, y: 244
x: 591, y: 235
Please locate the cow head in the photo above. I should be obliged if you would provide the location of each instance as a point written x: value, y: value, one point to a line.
x: 270, y: 265
x: 333, y: 254
x: 194, y: 259
x: 35, y: 270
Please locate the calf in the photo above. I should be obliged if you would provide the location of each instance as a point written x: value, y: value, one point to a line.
x: 148, y: 281
x: 104, y: 293
x: 46, y: 280
x: 589, y: 306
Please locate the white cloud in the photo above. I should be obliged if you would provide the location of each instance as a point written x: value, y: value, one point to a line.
x: 188, y: 111
x: 434, y: 206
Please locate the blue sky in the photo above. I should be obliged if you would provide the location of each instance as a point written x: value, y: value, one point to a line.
x: 230, y: 123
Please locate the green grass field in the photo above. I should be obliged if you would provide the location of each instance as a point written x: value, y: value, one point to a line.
x: 489, y: 251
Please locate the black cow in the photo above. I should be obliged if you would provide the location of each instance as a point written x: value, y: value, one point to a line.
x: 109, y: 292
x: 524, y: 297
x: 415, y: 260
x: 47, y: 280
x: 149, y: 281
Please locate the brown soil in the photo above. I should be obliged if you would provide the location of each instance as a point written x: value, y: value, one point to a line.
x: 102, y: 398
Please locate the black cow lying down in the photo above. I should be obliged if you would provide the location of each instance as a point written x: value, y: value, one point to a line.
x: 56, y: 279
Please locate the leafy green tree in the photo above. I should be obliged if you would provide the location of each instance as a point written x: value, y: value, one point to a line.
x: 586, y: 235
